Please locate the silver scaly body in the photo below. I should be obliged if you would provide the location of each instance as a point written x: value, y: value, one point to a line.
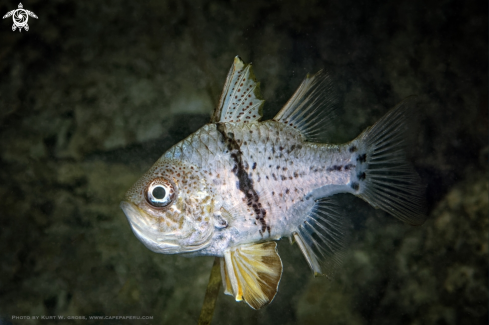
x: 275, y: 183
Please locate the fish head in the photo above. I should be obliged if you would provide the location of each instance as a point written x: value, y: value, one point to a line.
x: 170, y: 208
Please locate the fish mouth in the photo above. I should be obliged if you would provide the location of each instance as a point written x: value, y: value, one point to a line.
x: 144, y: 228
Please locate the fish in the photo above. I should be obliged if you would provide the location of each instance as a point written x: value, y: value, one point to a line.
x: 238, y: 184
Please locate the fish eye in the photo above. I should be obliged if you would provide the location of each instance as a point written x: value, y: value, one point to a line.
x: 160, y: 193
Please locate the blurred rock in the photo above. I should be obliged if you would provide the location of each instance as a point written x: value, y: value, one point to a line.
x: 433, y: 274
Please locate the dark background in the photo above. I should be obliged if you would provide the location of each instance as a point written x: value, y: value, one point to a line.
x: 96, y: 91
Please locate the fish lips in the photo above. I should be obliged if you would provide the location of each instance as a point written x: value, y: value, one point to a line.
x: 142, y: 228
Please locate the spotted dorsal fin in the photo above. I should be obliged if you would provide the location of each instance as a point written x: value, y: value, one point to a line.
x: 252, y: 272
x: 311, y: 108
x: 240, y: 99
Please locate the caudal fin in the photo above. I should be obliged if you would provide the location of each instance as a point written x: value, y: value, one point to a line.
x: 383, y: 177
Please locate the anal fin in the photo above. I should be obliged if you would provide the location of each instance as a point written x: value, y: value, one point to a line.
x: 322, y: 237
x: 252, y: 272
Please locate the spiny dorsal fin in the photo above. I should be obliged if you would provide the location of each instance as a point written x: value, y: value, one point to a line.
x: 240, y: 99
x: 311, y: 108
x: 252, y: 272
x: 323, y: 236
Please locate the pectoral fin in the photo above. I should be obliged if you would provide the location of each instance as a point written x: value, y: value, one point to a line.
x: 252, y: 272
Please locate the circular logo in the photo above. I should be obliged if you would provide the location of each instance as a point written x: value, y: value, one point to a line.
x: 20, y: 18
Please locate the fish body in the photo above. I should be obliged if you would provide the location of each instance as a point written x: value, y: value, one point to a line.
x: 265, y: 176
x: 238, y: 184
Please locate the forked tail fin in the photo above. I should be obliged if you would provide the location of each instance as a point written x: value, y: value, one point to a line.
x: 383, y: 177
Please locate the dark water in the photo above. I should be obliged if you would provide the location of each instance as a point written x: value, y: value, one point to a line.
x: 95, y: 92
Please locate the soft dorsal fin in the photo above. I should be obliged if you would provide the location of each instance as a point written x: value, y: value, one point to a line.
x: 240, y: 99
x: 311, y: 108
x: 322, y: 237
x: 252, y: 272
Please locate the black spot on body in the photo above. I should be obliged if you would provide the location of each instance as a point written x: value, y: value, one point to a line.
x: 361, y: 176
x: 254, y: 166
x: 349, y: 166
x: 292, y: 147
x: 352, y: 149
x: 355, y: 186
x: 362, y: 158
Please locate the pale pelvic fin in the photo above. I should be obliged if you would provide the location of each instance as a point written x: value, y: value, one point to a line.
x: 226, y: 282
x: 252, y: 272
x: 240, y: 99
x: 384, y: 177
x: 323, y: 236
x: 311, y: 108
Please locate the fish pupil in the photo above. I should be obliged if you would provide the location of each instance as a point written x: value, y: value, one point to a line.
x: 159, y: 193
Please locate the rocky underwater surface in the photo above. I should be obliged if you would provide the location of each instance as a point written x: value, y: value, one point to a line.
x: 94, y: 93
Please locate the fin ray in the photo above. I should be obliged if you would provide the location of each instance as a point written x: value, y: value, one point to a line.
x: 311, y: 108
x: 252, y: 273
x: 240, y: 99
x: 226, y: 282
x: 323, y: 236
x: 389, y: 182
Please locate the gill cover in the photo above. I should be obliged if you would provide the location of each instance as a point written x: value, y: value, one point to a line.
x: 170, y: 208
